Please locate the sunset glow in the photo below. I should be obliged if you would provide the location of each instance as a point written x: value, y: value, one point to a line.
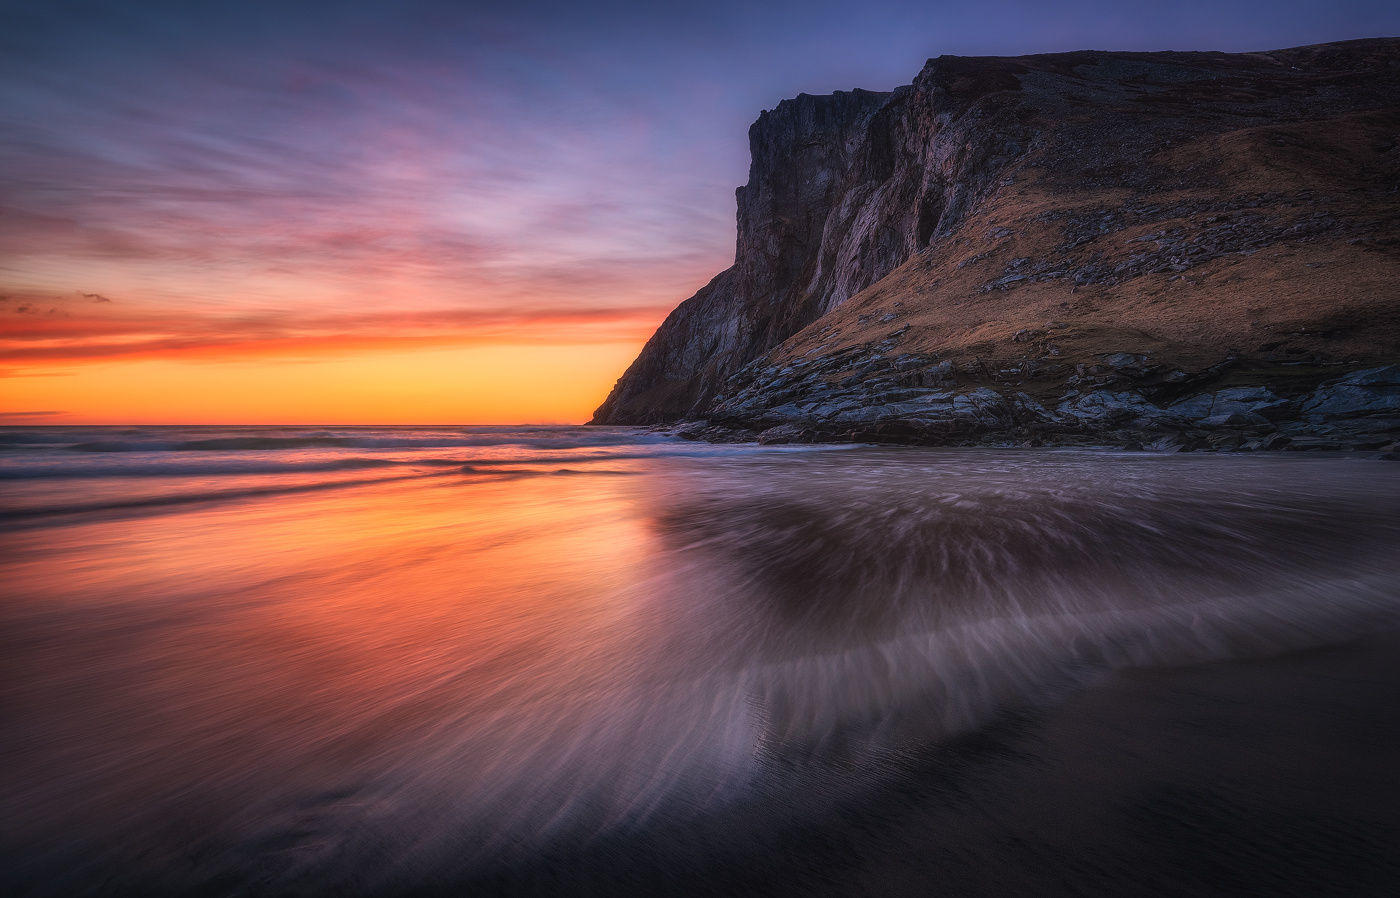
x: 202, y: 222
x: 78, y: 365
x: 253, y: 213
x: 834, y: 448
x: 488, y: 384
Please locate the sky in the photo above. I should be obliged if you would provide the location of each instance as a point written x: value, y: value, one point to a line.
x: 430, y: 212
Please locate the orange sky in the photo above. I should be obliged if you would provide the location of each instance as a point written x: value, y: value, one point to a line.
x: 440, y: 213
x: 496, y: 383
x: 244, y: 337
x: 74, y: 360
x: 381, y: 346
x: 200, y: 227
x: 353, y: 315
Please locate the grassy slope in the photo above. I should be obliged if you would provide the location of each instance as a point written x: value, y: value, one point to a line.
x: 1327, y: 295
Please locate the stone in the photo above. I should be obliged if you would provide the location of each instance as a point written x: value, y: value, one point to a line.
x: 1235, y: 419
x: 1193, y: 409
x: 1166, y: 443
x: 1271, y: 443
x: 1216, y: 407
x: 785, y: 433
x: 880, y: 198
x: 1343, y: 400
x: 1386, y: 376
x: 1106, y: 407
x: 1120, y: 360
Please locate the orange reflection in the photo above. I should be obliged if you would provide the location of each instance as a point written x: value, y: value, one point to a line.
x: 270, y: 645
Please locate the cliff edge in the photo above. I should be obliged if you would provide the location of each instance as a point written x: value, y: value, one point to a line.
x: 1190, y: 250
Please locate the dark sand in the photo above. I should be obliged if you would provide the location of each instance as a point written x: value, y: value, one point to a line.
x: 831, y: 672
x: 1273, y: 776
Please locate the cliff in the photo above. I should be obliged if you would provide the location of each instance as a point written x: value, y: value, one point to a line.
x: 805, y: 154
x: 1196, y: 248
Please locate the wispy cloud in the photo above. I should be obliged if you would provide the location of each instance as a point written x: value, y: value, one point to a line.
x: 217, y: 180
x: 70, y: 338
x: 332, y: 186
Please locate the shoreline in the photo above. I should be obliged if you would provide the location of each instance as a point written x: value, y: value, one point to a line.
x: 900, y: 434
x: 744, y: 670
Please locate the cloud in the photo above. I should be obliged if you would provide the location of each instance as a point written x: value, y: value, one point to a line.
x: 37, y: 414
x: 30, y: 339
x: 31, y: 372
x: 419, y: 191
x: 444, y: 174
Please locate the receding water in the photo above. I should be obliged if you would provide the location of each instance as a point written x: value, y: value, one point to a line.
x: 370, y: 659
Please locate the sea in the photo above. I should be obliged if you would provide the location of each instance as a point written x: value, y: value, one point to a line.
x: 599, y: 660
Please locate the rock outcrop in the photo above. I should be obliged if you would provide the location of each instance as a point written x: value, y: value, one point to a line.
x: 805, y: 154
x: 1176, y: 250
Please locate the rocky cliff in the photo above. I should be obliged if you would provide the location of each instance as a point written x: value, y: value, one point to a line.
x: 1187, y: 249
x: 805, y: 154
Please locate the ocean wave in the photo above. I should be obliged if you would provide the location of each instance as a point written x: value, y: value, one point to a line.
x: 201, y: 469
x: 229, y: 444
x: 444, y: 467
x: 50, y: 446
x: 188, y: 498
x: 404, y: 440
x: 60, y: 466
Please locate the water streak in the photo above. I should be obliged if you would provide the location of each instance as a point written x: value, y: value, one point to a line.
x: 409, y: 681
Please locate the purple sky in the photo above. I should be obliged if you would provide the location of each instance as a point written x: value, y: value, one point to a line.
x: 301, y: 163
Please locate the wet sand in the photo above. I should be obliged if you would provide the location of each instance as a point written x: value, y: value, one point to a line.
x: 735, y: 670
x: 1273, y: 776
x: 1276, y: 776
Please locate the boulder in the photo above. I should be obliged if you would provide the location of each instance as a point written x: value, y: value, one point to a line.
x: 1121, y: 360
x: 1385, y: 376
x: 786, y: 433
x: 1235, y: 419
x: 1345, y: 399
x: 1104, y: 408
x: 1223, y: 403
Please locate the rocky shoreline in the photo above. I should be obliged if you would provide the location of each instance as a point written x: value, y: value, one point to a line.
x: 1126, y: 402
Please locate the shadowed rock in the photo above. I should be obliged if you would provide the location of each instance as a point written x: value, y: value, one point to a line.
x: 1109, y: 248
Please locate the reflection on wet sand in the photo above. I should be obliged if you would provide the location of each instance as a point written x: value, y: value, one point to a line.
x: 425, y: 682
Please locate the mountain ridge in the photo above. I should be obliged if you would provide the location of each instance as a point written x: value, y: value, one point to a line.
x: 1019, y: 226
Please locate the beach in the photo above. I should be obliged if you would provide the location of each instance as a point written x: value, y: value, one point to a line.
x: 603, y: 660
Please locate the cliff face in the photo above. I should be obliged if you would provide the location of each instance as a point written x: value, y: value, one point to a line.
x: 805, y: 154
x: 1002, y: 234
x: 842, y: 189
